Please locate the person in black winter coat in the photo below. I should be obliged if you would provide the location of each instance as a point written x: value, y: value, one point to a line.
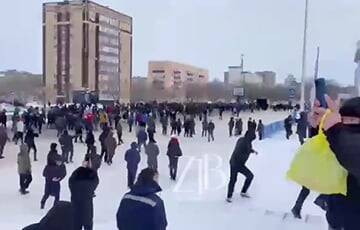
x: 173, y: 152
x: 83, y: 183
x: 67, y: 146
x: 79, y: 131
x: 141, y: 137
x: 287, y: 125
x: 302, y: 125
x: 173, y: 125
x: 178, y: 127
x: 132, y: 158
x: 211, y: 128
x: 241, y: 154
x: 231, y: 125
x: 54, y: 172
x: 30, y: 141
x: 343, y: 132
x: 59, y: 217
x: 141, y: 208
x: 238, y: 127
x: 260, y: 130
x: 90, y: 140
x: 102, y: 139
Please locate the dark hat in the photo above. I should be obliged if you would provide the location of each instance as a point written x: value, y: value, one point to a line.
x: 351, y: 108
x: 53, y: 146
x: 146, y: 176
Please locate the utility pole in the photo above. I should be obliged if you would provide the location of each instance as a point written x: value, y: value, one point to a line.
x: 303, y: 69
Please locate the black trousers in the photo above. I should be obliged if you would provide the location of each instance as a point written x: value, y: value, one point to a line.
x: 151, y: 135
x: 233, y: 178
x: 32, y: 146
x: 2, y: 149
x: 260, y: 136
x: 130, y: 128
x: 304, y: 193
x: 301, y: 139
x: 173, y: 131
x: 230, y: 131
x: 173, y: 166
x: 47, y: 193
x: 164, y: 130
x: 19, y: 135
x: 78, y: 135
x: 204, y: 133
x: 211, y: 136
x: 66, y: 153
x: 131, y: 177
x: 120, y: 138
x: 25, y: 180
x: 103, y: 153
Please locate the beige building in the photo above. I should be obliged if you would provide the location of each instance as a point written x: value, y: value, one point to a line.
x: 174, y: 78
x: 86, y: 47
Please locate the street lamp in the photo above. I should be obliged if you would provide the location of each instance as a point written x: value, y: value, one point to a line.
x: 303, y: 69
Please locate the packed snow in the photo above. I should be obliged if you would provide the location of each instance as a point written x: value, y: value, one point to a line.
x: 195, y: 201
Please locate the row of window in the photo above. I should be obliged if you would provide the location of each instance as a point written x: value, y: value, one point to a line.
x: 108, y: 20
x: 109, y: 50
x: 109, y: 59
x: 105, y: 69
x: 108, y: 30
x: 107, y: 40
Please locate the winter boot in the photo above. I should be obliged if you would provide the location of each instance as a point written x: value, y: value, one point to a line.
x: 245, y: 195
x: 296, y: 212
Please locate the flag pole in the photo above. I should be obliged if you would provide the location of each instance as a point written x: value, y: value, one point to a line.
x: 303, y: 69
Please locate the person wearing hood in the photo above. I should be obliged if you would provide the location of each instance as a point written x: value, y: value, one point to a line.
x: 179, y: 126
x: 3, y: 139
x: 67, y: 146
x: 24, y: 168
x: 111, y: 145
x: 132, y: 158
x: 342, y: 129
x: 152, y: 151
x: 173, y: 152
x: 302, y: 126
x: 90, y: 140
x: 53, y: 172
x: 130, y: 121
x: 239, y: 157
x: 141, y: 208
x: 59, y: 217
x: 83, y: 183
x: 151, y: 128
x: 142, y: 137
x: 119, y: 131
x: 60, y: 124
x: 30, y: 141
x: 164, y: 122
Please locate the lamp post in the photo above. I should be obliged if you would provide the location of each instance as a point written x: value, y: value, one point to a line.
x: 303, y: 69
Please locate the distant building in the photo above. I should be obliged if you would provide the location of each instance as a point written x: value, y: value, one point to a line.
x: 269, y: 78
x: 175, y: 77
x: 86, y: 47
x: 236, y: 76
x: 290, y: 81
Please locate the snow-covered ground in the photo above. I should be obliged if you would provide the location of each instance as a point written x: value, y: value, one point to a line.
x: 195, y: 201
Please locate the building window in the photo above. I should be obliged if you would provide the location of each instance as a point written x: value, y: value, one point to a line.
x: 201, y: 76
x: 158, y: 71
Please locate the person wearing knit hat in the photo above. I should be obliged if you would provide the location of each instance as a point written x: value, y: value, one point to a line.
x: 173, y: 152
x: 342, y: 129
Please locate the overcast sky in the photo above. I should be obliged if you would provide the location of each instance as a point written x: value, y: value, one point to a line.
x: 209, y: 33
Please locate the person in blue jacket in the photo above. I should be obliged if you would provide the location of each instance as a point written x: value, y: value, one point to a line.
x: 141, y: 208
x: 132, y: 157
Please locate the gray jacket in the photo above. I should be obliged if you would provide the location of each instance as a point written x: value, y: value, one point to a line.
x: 152, y: 151
x: 23, y: 160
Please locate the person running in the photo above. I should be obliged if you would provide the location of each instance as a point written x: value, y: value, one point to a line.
x: 24, y: 169
x: 141, y: 208
x: 132, y: 158
x: 240, y: 155
x: 174, y: 153
x: 30, y: 141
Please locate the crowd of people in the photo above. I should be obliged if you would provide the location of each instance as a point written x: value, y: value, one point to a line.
x: 84, y: 120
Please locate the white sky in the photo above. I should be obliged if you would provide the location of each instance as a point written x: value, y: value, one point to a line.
x: 209, y: 33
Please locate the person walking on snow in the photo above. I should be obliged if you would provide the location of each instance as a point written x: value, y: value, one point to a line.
x: 67, y: 146
x: 173, y: 152
x: 260, y: 130
x: 132, y: 158
x: 204, y: 124
x: 3, y: 139
x: 54, y: 172
x: 30, y: 141
x: 111, y: 145
x: 152, y: 151
x: 238, y: 127
x: 119, y: 131
x: 231, y: 125
x: 24, y: 168
x: 211, y: 128
x: 90, y: 140
x: 241, y: 154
